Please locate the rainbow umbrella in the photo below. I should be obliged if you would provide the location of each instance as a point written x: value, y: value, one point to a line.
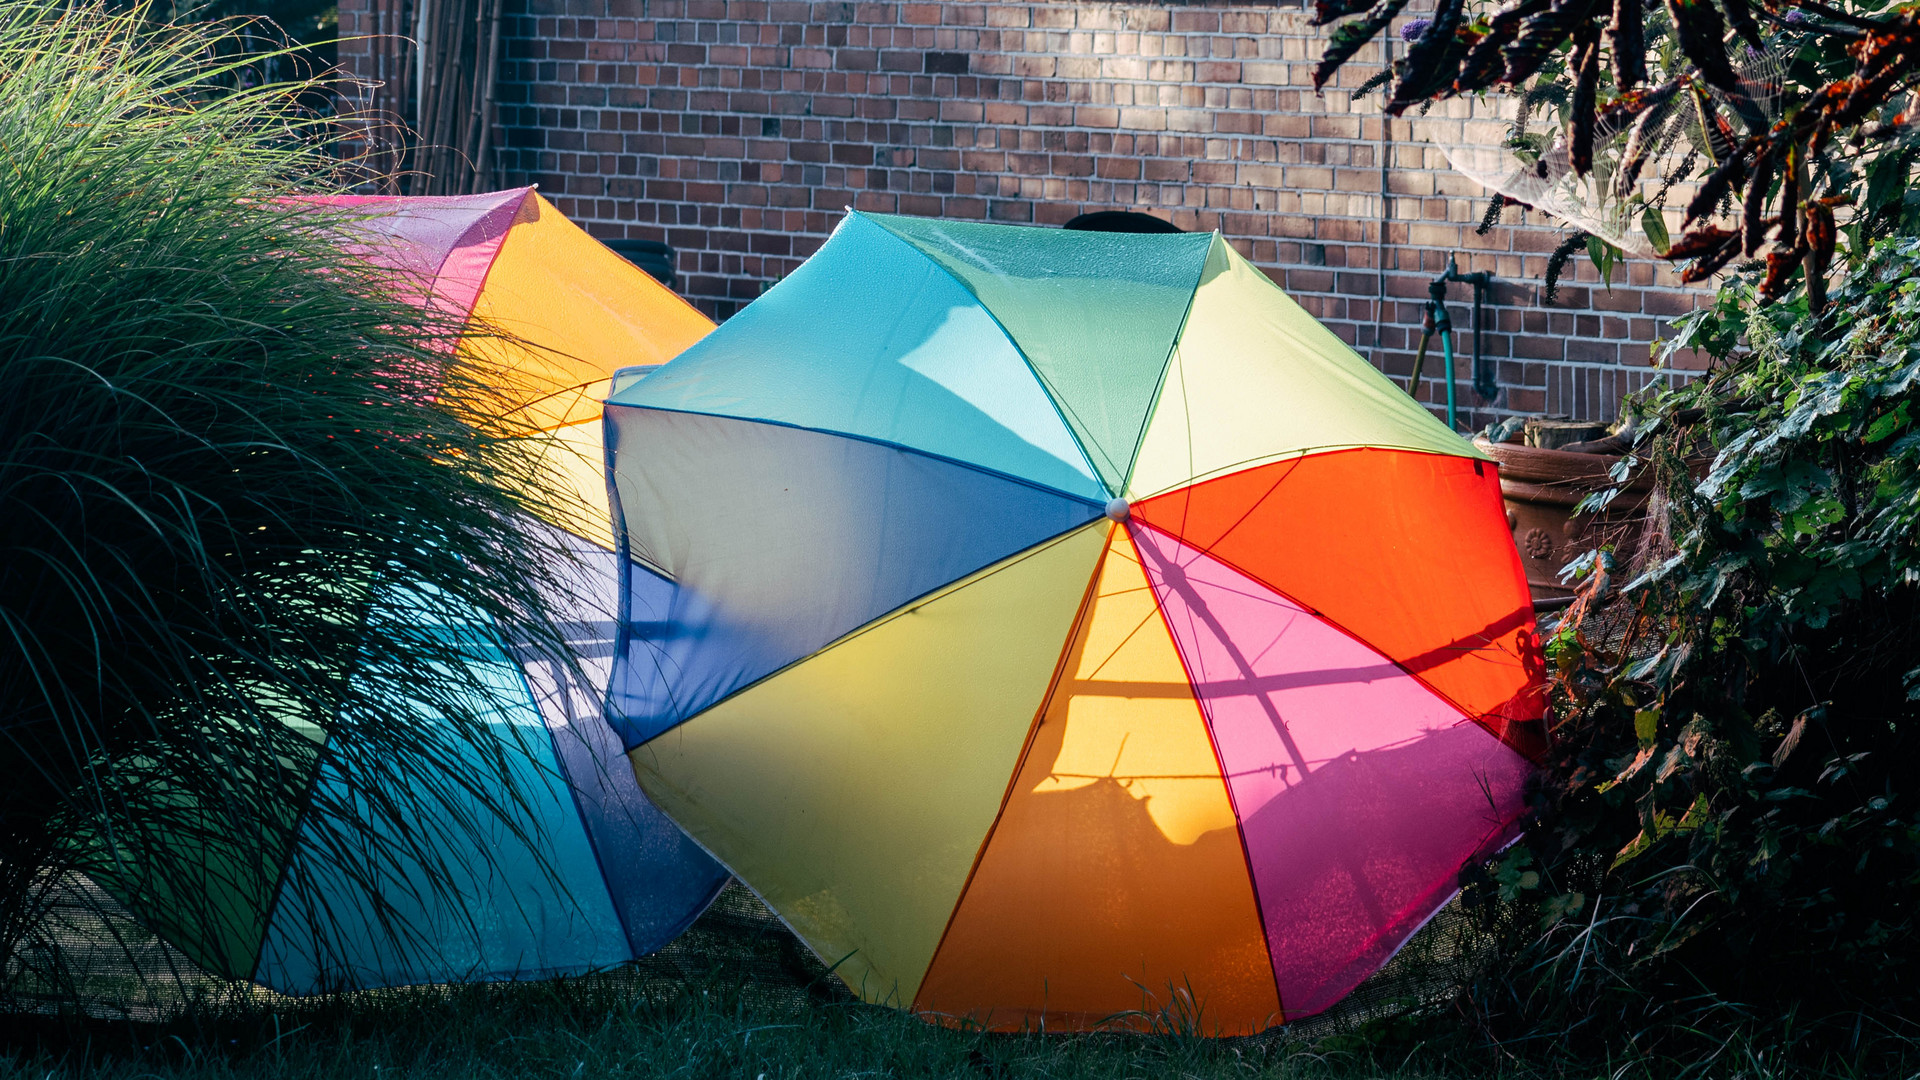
x: 1060, y: 628
x: 580, y: 871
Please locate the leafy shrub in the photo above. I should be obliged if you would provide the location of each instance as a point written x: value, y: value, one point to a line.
x: 1731, y: 820
x: 245, y: 509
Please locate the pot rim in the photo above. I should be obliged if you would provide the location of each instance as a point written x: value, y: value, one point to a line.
x: 1542, y: 468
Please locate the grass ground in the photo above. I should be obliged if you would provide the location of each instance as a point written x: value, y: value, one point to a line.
x: 737, y: 997
x: 719, y: 1027
x: 707, y: 1027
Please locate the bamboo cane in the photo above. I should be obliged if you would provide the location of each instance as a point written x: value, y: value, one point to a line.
x: 482, y: 159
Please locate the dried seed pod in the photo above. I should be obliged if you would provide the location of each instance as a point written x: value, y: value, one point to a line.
x: 1880, y: 38
x: 1701, y: 33
x: 1488, y: 220
x: 1700, y: 30
x: 1822, y: 237
x: 1348, y: 39
x: 1701, y: 241
x: 1640, y: 139
x: 1756, y: 209
x: 1326, y: 11
x: 1710, y: 263
x: 1484, y: 64
x: 1716, y: 186
x: 1628, y: 30
x: 1428, y: 61
x: 1886, y: 60
x: 1741, y: 16
x: 1379, y: 78
x: 1541, y: 35
x: 1714, y: 129
x: 1825, y: 109
x: 1557, y: 262
x: 1628, y: 107
x: 1586, y: 53
x: 1780, y: 268
x: 1790, y: 200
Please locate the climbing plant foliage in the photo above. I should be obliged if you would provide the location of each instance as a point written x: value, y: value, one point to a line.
x: 1731, y: 816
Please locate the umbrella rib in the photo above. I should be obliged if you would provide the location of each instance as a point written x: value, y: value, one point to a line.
x: 1255, y: 505
x: 1166, y: 365
x: 1065, y: 410
x: 1198, y: 609
x: 1133, y: 776
x: 1297, y: 452
x: 563, y: 681
x: 1060, y: 408
x: 1239, y: 824
x: 1087, y: 602
x: 1323, y: 617
x: 906, y: 608
x: 900, y: 447
x: 1115, y: 651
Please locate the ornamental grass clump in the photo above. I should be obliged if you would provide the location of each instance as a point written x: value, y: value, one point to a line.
x: 248, y: 508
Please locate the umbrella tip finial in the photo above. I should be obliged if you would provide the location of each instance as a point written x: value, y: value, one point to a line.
x: 1117, y: 509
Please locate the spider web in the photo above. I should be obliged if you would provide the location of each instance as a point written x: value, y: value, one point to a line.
x: 1516, y: 145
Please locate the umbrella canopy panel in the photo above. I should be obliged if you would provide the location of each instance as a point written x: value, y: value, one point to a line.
x: 1063, y: 628
x: 582, y: 872
x: 573, y: 868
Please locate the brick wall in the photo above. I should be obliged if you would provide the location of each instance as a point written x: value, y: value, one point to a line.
x: 737, y: 130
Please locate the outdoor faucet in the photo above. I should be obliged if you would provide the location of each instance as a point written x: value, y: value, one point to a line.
x: 1437, y: 321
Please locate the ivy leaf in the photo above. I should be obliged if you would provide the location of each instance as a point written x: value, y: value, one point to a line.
x: 1884, y: 426
x: 1791, y: 742
x: 1603, y: 256
x: 1696, y: 815
x: 1646, y: 726
x: 1887, y: 180
x: 1654, y: 224
x: 1627, y: 774
x: 1662, y: 825
x: 1560, y: 907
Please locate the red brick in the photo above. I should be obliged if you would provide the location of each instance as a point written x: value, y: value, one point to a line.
x: 741, y: 127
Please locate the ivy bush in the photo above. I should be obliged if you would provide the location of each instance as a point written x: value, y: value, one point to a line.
x: 1730, y: 822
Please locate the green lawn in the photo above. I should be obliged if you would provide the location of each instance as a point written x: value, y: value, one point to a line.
x: 738, y: 997
x: 707, y: 1027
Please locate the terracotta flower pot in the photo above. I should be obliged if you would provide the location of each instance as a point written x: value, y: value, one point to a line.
x: 1541, y: 488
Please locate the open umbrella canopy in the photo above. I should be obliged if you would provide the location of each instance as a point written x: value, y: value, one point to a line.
x: 558, y: 313
x: 1059, y: 627
x: 572, y: 869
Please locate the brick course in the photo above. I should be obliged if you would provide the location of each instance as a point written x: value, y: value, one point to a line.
x: 738, y: 130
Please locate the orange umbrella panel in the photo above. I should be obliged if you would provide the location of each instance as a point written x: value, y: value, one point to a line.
x: 551, y: 313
